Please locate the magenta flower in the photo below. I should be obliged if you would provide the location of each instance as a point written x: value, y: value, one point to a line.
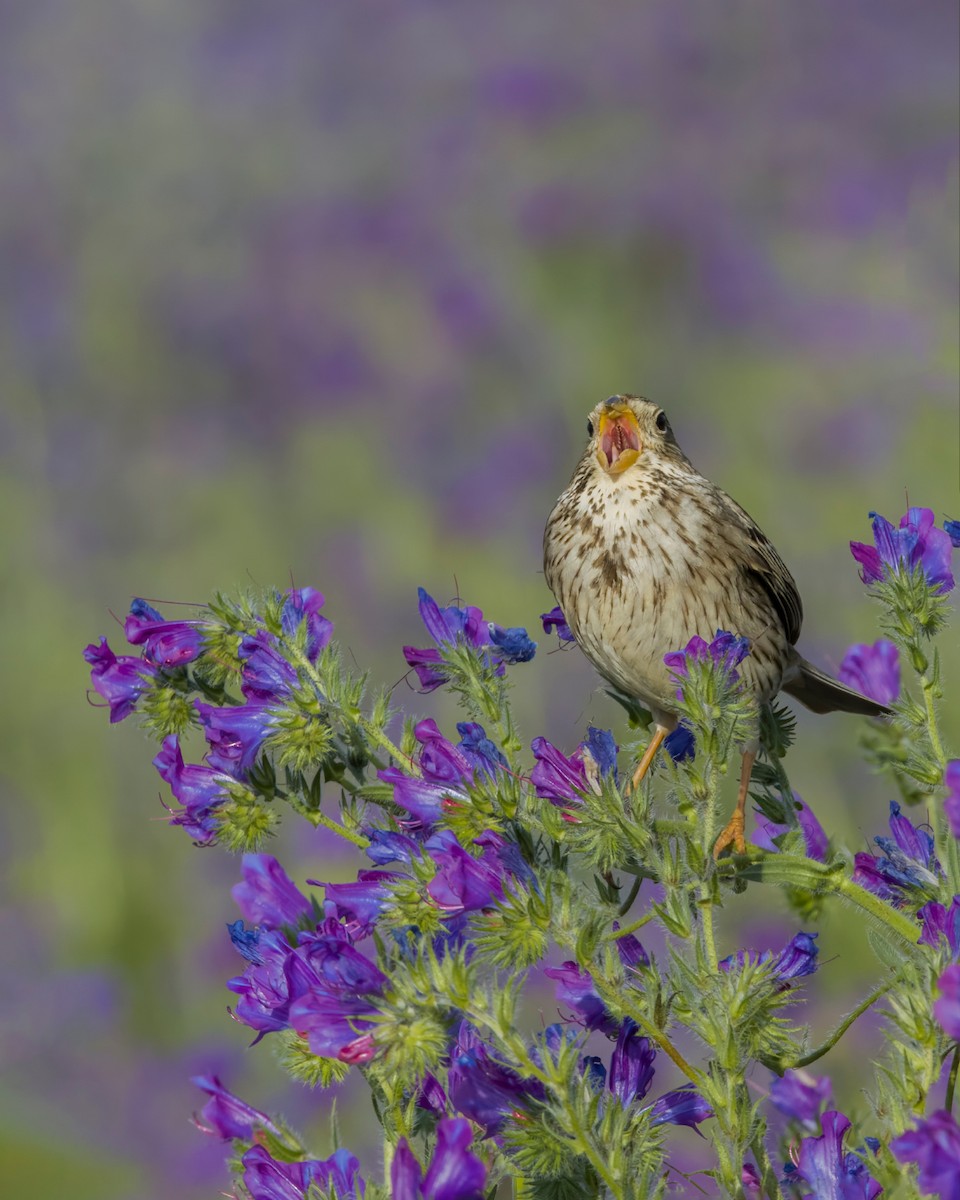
x: 201, y: 790
x: 227, y: 1116
x: 873, y: 671
x: 454, y: 1173
x: 120, y: 680
x: 951, y: 804
x: 830, y: 1171
x: 935, y: 1147
x: 947, y: 1008
x: 917, y: 543
x: 268, y: 896
x: 166, y: 644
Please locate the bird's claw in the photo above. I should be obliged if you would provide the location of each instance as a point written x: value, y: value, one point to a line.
x: 731, y: 835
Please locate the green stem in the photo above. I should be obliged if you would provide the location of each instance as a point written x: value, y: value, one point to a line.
x: 904, y: 927
x: 315, y: 817
x: 378, y: 736
x: 632, y: 895
x: 933, y: 731
x: 633, y: 926
x: 656, y: 1035
x: 880, y: 990
x: 952, y: 1080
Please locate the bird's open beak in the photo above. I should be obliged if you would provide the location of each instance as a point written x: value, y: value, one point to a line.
x: 618, y: 440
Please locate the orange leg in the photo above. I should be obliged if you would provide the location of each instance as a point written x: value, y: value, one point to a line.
x: 649, y: 755
x: 733, y: 834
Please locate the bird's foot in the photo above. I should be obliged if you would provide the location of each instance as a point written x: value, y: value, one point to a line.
x: 732, y: 835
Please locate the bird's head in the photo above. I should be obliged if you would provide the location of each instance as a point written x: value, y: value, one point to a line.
x: 625, y: 428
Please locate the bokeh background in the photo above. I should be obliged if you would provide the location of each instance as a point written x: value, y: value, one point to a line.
x: 324, y: 292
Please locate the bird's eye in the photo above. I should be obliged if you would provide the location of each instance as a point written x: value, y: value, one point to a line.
x: 662, y: 422
x: 589, y: 429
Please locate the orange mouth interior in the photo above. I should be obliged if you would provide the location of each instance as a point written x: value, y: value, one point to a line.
x: 618, y: 440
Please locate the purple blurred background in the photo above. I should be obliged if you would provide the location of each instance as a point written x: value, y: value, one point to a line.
x: 325, y: 292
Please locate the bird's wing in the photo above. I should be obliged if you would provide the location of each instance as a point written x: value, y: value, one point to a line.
x: 762, y: 563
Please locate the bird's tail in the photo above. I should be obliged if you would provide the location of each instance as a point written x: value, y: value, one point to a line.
x: 821, y: 694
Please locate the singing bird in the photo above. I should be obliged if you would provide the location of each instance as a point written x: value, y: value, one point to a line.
x: 642, y: 553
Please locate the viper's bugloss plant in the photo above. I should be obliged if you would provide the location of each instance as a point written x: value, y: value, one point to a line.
x: 484, y: 866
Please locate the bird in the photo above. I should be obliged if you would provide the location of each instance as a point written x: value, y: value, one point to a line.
x: 643, y: 553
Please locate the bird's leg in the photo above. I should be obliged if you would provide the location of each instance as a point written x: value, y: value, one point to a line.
x: 649, y: 755
x: 733, y: 833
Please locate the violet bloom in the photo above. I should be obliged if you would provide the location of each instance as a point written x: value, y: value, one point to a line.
x: 800, y: 1096
x: 302, y: 606
x: 631, y: 1065
x: 750, y: 1178
x: 361, y: 902
x: 562, y: 780
x: 267, y: 677
x: 908, y: 864
x: 483, y: 1089
x: 947, y: 1008
x: 727, y: 650
x: 264, y: 989
x: 814, y: 837
x: 832, y: 1173
x: 513, y: 645
x: 952, y: 530
x: 796, y: 959
x: 266, y: 1178
x: 685, y: 1106
x: 555, y: 620
x: 235, y: 734
x: 463, y: 883
x: 201, y: 790
x: 483, y: 755
x: 951, y: 804
x: 120, y: 679
x: 454, y: 1173
x: 916, y: 544
x: 166, y: 644
x: 940, y: 924
x: 227, y: 1116
x: 574, y: 988
x: 268, y: 896
x: 873, y: 671
x: 935, y: 1147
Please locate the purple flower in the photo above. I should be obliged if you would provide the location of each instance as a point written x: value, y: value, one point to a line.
x: 121, y: 681
x: 454, y: 1173
x: 484, y: 1090
x: 952, y: 530
x: 555, y: 620
x: 908, y: 863
x: 873, y: 671
x: 303, y: 605
x: 267, y: 1179
x: 359, y: 903
x: 951, y: 804
x: 750, y: 1178
x: 267, y: 676
x: 482, y: 754
x: 935, y: 1147
x: 446, y: 770
x: 830, y: 1172
x: 574, y: 987
x: 917, y: 543
x: 940, y: 923
x: 631, y: 1065
x: 682, y: 1107
x: 680, y: 743
x: 453, y: 625
x: 265, y: 986
x: 796, y: 959
x: 800, y: 1096
x: 813, y: 833
x: 513, y: 645
x: 246, y: 942
x: 201, y: 790
x: 560, y: 779
x: 268, y: 896
x: 167, y: 644
x: 235, y: 734
x: 947, y: 1008
x: 227, y: 1116
x: 726, y: 650
x: 463, y: 883
x: 385, y: 847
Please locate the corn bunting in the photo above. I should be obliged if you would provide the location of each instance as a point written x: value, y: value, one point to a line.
x: 643, y: 553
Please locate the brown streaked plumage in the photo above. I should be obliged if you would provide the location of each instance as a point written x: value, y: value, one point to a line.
x: 643, y: 553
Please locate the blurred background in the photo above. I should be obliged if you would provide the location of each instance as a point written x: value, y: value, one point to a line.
x: 324, y: 292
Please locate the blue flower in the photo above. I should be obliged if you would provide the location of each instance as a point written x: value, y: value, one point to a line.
x: 680, y: 743
x: 631, y: 1065
x: 478, y: 749
x: 935, y: 1147
x: 908, y: 863
x: 873, y: 671
x: 246, y: 942
x: 267, y: 677
x: 952, y: 530
x: 832, y: 1173
x: 555, y: 620
x: 685, y: 1106
x: 453, y: 1173
x: 483, y: 1089
x: 513, y: 645
x: 302, y: 606
x: 917, y: 543
x: 796, y: 959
